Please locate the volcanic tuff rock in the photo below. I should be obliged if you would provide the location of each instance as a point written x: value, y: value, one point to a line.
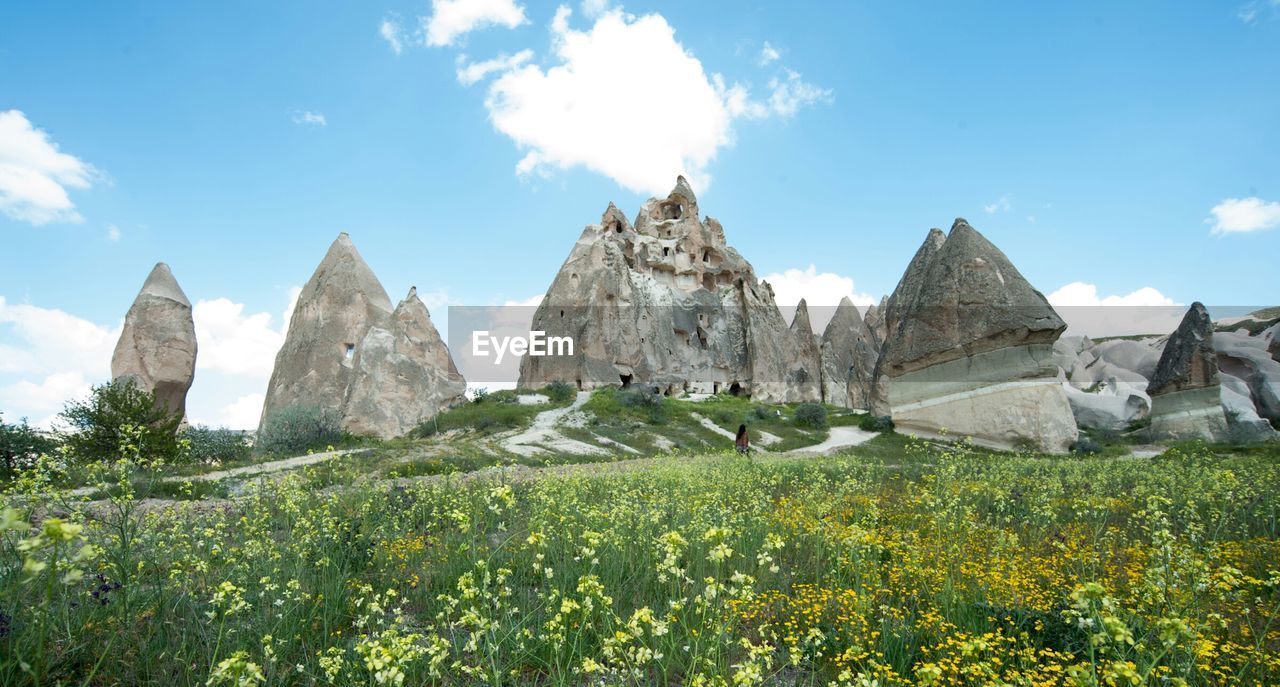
x: 1185, y: 395
x: 666, y: 303
x: 810, y: 362
x: 402, y: 374
x: 341, y: 311
x: 904, y: 294
x: 970, y: 349
x: 849, y: 353
x: 157, y: 347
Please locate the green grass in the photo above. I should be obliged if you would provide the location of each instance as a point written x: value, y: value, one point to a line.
x: 495, y: 412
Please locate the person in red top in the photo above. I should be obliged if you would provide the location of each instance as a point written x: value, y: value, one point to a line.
x: 741, y: 442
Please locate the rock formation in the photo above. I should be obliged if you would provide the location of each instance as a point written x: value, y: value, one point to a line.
x: 402, y: 374
x: 970, y: 349
x: 157, y: 348
x: 874, y: 320
x: 904, y: 294
x: 667, y: 304
x: 849, y: 353
x: 810, y: 352
x: 1186, y: 400
x: 349, y: 354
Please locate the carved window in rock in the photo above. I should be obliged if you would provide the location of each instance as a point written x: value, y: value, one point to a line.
x: 348, y: 351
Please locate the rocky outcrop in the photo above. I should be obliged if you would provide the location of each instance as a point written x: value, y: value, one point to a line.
x: 347, y: 353
x: 970, y: 349
x: 666, y: 303
x: 904, y: 294
x: 849, y: 353
x: 1186, y: 401
x: 157, y: 348
x: 402, y: 374
x: 809, y: 350
x: 874, y: 320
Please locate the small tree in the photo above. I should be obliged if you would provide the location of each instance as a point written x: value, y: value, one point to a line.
x: 97, y: 423
x: 296, y: 429
x: 811, y: 415
x: 20, y: 445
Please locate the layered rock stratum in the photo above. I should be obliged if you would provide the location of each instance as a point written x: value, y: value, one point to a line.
x: 970, y: 349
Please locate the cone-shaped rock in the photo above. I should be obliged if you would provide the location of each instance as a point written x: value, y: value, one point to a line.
x: 890, y: 313
x: 403, y: 374
x: 336, y: 308
x: 157, y: 347
x: 849, y: 353
x: 667, y: 304
x: 1186, y: 399
x: 971, y: 352
x: 809, y: 367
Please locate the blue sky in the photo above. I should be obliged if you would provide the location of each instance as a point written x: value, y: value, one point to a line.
x: 1125, y: 148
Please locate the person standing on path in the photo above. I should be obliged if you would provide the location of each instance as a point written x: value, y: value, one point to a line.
x: 741, y: 443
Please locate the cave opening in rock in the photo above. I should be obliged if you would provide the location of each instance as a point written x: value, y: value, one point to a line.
x: 349, y: 351
x: 626, y: 381
x: 735, y: 389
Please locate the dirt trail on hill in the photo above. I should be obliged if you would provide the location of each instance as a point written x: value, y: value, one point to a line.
x: 839, y: 438
x: 542, y: 436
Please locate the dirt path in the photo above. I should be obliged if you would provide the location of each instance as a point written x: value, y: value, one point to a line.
x: 542, y: 436
x: 840, y: 437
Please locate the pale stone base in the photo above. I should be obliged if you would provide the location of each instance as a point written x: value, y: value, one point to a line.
x: 1006, y: 399
x: 1189, y: 414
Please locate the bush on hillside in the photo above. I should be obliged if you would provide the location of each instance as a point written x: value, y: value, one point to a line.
x: 20, y: 445
x: 875, y: 423
x: 297, y: 429
x: 560, y: 391
x: 217, y: 444
x: 811, y: 415
x: 100, y: 423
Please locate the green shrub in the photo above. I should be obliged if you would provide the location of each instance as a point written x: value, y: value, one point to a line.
x: 811, y: 415
x: 762, y: 412
x: 1086, y: 446
x: 97, y: 423
x: 298, y: 429
x: 20, y: 445
x: 217, y: 444
x: 560, y: 391
x: 875, y: 423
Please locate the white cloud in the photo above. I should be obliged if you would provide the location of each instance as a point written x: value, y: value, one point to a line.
x: 48, y: 356
x: 35, y: 175
x: 471, y: 72
x: 453, y: 19
x: 821, y: 291
x: 1250, y: 11
x: 242, y: 413
x: 391, y: 33
x: 768, y: 54
x: 234, y: 343
x: 1144, y: 311
x: 584, y: 110
x: 594, y: 8
x: 113, y: 233
x: 1005, y: 204
x: 309, y: 118
x: 1241, y: 215
x: 530, y: 302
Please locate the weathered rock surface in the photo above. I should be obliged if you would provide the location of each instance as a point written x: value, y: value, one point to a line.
x: 667, y: 304
x: 1186, y: 402
x: 157, y: 347
x: 970, y: 349
x: 904, y: 294
x: 849, y: 353
x: 1111, y: 405
x: 809, y: 351
x: 402, y: 374
x: 1246, y: 358
x: 380, y: 371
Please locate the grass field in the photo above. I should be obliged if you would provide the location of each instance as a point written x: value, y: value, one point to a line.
x: 901, y: 563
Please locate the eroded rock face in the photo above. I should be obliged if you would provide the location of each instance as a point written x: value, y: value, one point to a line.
x: 809, y: 364
x: 849, y: 353
x: 336, y: 308
x: 380, y: 371
x: 970, y: 349
x: 402, y: 374
x: 157, y: 347
x: 891, y: 313
x: 1186, y: 402
x: 667, y: 304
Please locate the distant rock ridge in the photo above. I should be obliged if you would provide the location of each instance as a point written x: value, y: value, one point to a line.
x: 348, y: 353
x: 666, y: 303
x: 970, y: 349
x: 157, y: 347
x: 849, y: 354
